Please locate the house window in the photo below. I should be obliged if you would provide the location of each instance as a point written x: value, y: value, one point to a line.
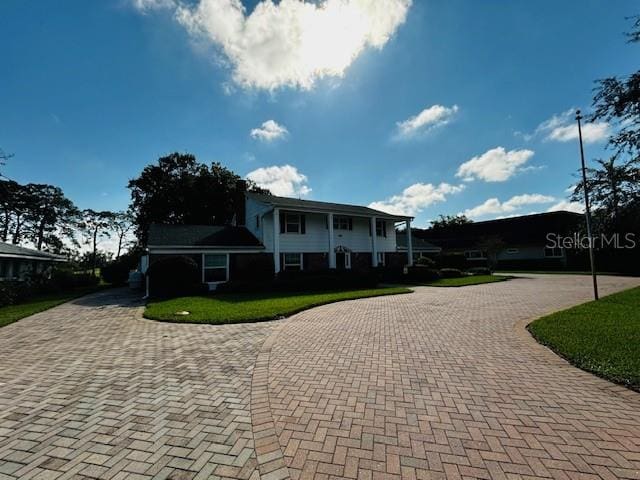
x: 381, y: 228
x: 555, y: 252
x: 292, y: 261
x: 292, y: 223
x: 380, y: 257
x: 475, y: 255
x: 215, y: 268
x: 342, y: 223
x: 512, y: 251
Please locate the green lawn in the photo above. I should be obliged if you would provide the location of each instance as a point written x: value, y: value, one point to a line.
x: 468, y: 280
x: 251, y: 307
x: 13, y: 313
x: 601, y: 337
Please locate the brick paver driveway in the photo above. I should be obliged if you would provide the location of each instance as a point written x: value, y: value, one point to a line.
x: 441, y: 383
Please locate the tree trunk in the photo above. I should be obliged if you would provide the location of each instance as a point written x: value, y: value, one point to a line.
x: 40, y: 234
x: 120, y: 237
x: 95, y: 251
x: 17, y: 231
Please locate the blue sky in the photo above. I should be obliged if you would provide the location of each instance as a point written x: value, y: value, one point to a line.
x: 91, y: 92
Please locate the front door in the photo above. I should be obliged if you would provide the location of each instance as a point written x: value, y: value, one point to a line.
x: 340, y: 260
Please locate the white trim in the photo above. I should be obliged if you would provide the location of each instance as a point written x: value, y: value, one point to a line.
x: 409, y: 244
x: 276, y: 240
x: 300, y: 258
x: 332, y: 253
x: 32, y: 257
x: 226, y: 268
x: 381, y: 255
x: 374, y: 242
x: 205, y: 247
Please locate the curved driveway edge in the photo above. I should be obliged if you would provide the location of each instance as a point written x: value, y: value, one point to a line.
x: 440, y: 384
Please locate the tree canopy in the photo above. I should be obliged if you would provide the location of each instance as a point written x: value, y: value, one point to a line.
x: 180, y: 190
x: 444, y: 221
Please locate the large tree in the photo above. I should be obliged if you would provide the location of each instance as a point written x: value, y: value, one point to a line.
x: 444, y: 221
x: 96, y: 225
x: 122, y: 224
x: 617, y: 101
x: 180, y: 190
x: 36, y: 213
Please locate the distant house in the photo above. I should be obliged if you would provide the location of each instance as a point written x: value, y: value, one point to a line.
x: 421, y: 248
x: 524, y: 239
x: 286, y: 234
x: 16, y: 263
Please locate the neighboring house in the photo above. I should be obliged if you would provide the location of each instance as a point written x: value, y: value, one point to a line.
x: 281, y: 233
x: 524, y: 240
x: 421, y: 248
x: 16, y: 263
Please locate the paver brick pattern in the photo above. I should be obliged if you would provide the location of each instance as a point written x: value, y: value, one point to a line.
x: 90, y: 389
x: 441, y: 383
x: 445, y: 383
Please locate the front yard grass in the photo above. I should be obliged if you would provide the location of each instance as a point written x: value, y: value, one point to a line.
x: 601, y: 337
x: 252, y: 307
x: 468, y: 280
x: 40, y: 303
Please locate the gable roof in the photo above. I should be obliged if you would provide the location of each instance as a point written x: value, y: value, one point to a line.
x: 8, y: 250
x: 523, y: 230
x: 297, y: 204
x: 417, y: 244
x: 212, y: 236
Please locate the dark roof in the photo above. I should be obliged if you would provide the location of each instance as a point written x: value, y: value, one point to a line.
x: 216, y: 236
x: 295, y: 203
x: 418, y: 244
x: 13, y: 251
x: 521, y: 230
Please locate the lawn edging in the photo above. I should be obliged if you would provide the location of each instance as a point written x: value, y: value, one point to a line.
x: 284, y: 312
x: 596, y: 337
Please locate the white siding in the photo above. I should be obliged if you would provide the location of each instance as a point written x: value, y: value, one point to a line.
x: 254, y: 209
x: 316, y: 236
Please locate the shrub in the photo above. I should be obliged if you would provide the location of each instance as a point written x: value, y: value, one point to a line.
x: 419, y: 274
x: 297, y: 281
x: 479, y: 271
x: 425, y: 262
x: 453, y: 260
x: 174, y: 276
x: 451, y: 273
x: 117, y: 271
x: 66, y: 279
x: 14, y: 292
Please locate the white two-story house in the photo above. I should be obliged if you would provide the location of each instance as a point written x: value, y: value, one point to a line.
x: 274, y: 234
x: 305, y: 234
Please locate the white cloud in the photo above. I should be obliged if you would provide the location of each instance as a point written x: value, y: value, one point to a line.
x: 269, y: 131
x: 576, y: 207
x: 291, y: 43
x: 495, y: 165
x: 493, y: 206
x: 563, y: 128
x: 147, y: 5
x: 285, y: 180
x: 415, y: 198
x: 426, y: 120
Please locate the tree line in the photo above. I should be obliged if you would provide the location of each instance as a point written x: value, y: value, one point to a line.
x: 41, y: 216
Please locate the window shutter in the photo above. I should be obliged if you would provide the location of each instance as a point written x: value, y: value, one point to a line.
x: 384, y: 229
x: 350, y: 223
x: 369, y: 222
x: 282, y: 222
x: 303, y: 228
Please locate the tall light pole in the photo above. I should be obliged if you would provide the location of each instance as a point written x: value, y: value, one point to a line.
x: 587, y: 210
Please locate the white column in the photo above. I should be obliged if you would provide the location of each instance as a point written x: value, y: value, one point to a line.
x: 276, y: 239
x: 409, y: 244
x: 331, y: 252
x: 374, y: 243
